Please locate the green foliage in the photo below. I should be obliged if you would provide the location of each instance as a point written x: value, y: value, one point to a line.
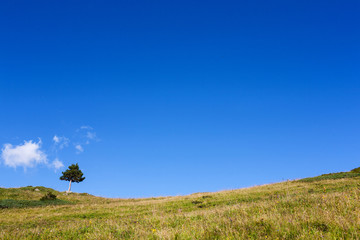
x: 48, y: 196
x: 13, y: 203
x: 356, y: 170
x: 332, y: 176
x: 40, y: 189
x: 25, y: 193
x: 73, y: 174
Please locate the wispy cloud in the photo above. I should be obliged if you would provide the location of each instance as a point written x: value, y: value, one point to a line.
x: 84, y: 135
x: 61, y: 142
x: 57, y: 164
x: 24, y: 155
x: 56, y: 139
x: 86, y: 127
x: 79, y: 148
x: 29, y: 154
x: 91, y: 135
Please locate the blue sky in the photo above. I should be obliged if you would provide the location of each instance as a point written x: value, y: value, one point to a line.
x: 177, y: 97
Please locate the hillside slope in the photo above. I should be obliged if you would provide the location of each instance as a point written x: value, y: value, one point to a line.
x: 304, y: 209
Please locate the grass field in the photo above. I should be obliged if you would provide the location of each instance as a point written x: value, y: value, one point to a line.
x: 324, y: 207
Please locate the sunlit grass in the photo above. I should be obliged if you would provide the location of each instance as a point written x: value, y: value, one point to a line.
x: 322, y: 209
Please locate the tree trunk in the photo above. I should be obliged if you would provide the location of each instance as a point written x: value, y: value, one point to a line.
x: 69, y: 190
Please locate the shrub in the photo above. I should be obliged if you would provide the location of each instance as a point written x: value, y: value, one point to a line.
x: 48, y: 196
x: 356, y: 170
x: 330, y: 176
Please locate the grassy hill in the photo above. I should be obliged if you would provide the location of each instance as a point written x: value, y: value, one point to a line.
x: 324, y: 207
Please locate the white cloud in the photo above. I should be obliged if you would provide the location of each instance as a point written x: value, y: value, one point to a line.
x: 87, y: 132
x: 56, y: 139
x: 79, y: 148
x: 61, y: 142
x: 25, y: 155
x: 91, y: 135
x: 57, y: 164
x: 86, y: 127
x: 85, y: 135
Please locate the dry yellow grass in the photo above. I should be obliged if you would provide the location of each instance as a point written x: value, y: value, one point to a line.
x: 326, y: 209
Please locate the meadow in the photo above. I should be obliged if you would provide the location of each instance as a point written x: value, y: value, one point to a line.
x: 324, y: 207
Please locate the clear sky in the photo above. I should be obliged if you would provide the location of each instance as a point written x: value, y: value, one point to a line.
x: 157, y: 98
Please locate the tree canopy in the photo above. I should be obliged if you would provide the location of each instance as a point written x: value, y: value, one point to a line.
x: 73, y: 174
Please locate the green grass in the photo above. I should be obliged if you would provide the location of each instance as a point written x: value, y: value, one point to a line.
x: 321, y: 208
x: 13, y: 203
x: 330, y: 176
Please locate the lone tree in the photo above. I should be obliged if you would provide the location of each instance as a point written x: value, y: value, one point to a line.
x: 73, y: 174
